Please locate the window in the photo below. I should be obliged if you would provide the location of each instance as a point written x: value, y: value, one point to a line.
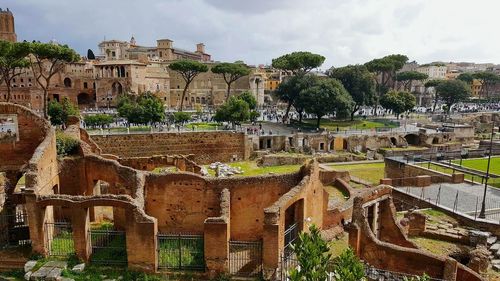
x: 85, y: 85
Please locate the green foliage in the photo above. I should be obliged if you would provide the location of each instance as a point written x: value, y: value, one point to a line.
x: 327, y: 96
x: 298, y: 62
x: 254, y: 115
x: 453, y: 91
x: 143, y: 109
x: 98, y: 120
x: 231, y: 72
x: 407, y: 77
x: 181, y: 117
x: 313, y: 257
x: 188, y: 69
x: 432, y: 83
x: 59, y: 112
x: 46, y: 60
x: 398, y: 102
x: 358, y: 82
x: 12, y: 59
x: 248, y: 98
x: 290, y: 90
x: 466, y: 77
x: 66, y: 145
x: 347, y: 267
x: 234, y: 110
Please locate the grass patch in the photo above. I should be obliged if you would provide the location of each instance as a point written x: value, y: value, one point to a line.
x: 250, y: 168
x: 338, y: 246
x: 337, y: 193
x: 356, y: 124
x: 93, y: 272
x: 437, y: 247
x: 449, y: 171
x: 481, y: 164
x: 370, y: 172
x: 191, y: 253
x: 204, y: 125
x: 161, y: 170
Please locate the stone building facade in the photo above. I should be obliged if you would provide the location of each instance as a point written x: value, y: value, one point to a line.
x: 7, y: 27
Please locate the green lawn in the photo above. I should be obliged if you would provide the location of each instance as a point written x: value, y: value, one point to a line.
x: 357, y: 124
x: 160, y: 170
x: 476, y: 179
x: 481, y: 164
x: 204, y: 126
x: 337, y: 193
x: 250, y: 168
x: 370, y: 172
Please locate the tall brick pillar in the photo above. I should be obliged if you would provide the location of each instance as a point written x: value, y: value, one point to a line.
x: 354, y: 238
x: 37, y: 217
x: 141, y: 242
x: 271, y: 245
x: 119, y: 218
x: 80, y: 222
x: 216, y: 243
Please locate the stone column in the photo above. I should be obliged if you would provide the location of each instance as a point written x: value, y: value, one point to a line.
x: 216, y: 244
x: 80, y: 222
x: 141, y: 242
x: 354, y: 238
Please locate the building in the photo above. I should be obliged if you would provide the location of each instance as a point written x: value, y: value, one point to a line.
x: 7, y: 28
x: 125, y: 67
x: 163, y: 51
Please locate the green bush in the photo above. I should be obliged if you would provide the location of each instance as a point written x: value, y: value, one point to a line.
x: 98, y: 120
x: 66, y: 145
x: 181, y: 117
x: 348, y: 267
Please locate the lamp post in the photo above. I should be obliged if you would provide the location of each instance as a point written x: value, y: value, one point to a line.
x: 482, y: 214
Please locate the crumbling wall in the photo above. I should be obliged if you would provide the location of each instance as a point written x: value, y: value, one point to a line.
x: 207, y: 147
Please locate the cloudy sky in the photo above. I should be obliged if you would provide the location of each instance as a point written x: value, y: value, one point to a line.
x: 255, y: 31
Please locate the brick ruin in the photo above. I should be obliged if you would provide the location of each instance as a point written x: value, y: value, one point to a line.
x: 104, y: 182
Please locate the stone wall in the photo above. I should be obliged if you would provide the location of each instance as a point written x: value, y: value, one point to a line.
x: 182, y: 163
x: 207, y: 147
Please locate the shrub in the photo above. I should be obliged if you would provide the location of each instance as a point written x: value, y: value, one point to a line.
x: 66, y: 145
x: 181, y: 117
x: 348, y: 267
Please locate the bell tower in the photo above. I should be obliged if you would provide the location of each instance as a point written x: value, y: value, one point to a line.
x: 7, y: 29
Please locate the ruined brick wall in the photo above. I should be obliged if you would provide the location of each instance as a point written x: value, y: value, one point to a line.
x: 182, y: 163
x: 181, y: 202
x: 207, y: 147
x: 397, y: 170
x: 32, y: 130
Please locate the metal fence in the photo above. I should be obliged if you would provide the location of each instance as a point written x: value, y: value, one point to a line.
x: 109, y: 247
x: 245, y: 258
x: 14, y: 230
x: 291, y: 234
x: 181, y: 251
x: 59, y: 238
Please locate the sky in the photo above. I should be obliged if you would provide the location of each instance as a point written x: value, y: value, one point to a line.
x: 256, y: 31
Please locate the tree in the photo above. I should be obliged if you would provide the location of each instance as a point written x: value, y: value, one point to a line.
x: 188, y: 69
x: 348, y: 267
x: 181, y: 117
x: 299, y: 63
x: 487, y: 79
x: 398, y: 102
x: 313, y: 257
x: 59, y: 112
x: 234, y: 110
x: 466, y: 77
x: 12, y: 62
x: 327, y: 96
x: 231, y: 72
x: 143, y: 109
x: 385, y: 71
x: 46, y: 60
x: 407, y: 78
x: 98, y: 120
x: 249, y: 98
x: 453, y: 91
x: 433, y: 84
x: 290, y: 89
x: 358, y: 82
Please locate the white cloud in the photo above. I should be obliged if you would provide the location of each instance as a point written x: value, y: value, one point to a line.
x: 346, y: 32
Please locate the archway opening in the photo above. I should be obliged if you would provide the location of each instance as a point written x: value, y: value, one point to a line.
x: 394, y: 141
x: 67, y: 82
x: 412, y: 139
x: 84, y: 99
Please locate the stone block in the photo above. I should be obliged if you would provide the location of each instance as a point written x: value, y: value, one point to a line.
x: 491, y: 240
x: 54, y: 274
x: 41, y: 273
x: 27, y: 275
x: 28, y: 266
x: 56, y: 264
x: 495, y: 247
x: 78, y: 268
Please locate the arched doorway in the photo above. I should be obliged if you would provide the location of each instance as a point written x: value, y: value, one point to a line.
x: 84, y: 99
x: 394, y: 141
x: 412, y: 139
x: 67, y: 82
x: 116, y: 89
